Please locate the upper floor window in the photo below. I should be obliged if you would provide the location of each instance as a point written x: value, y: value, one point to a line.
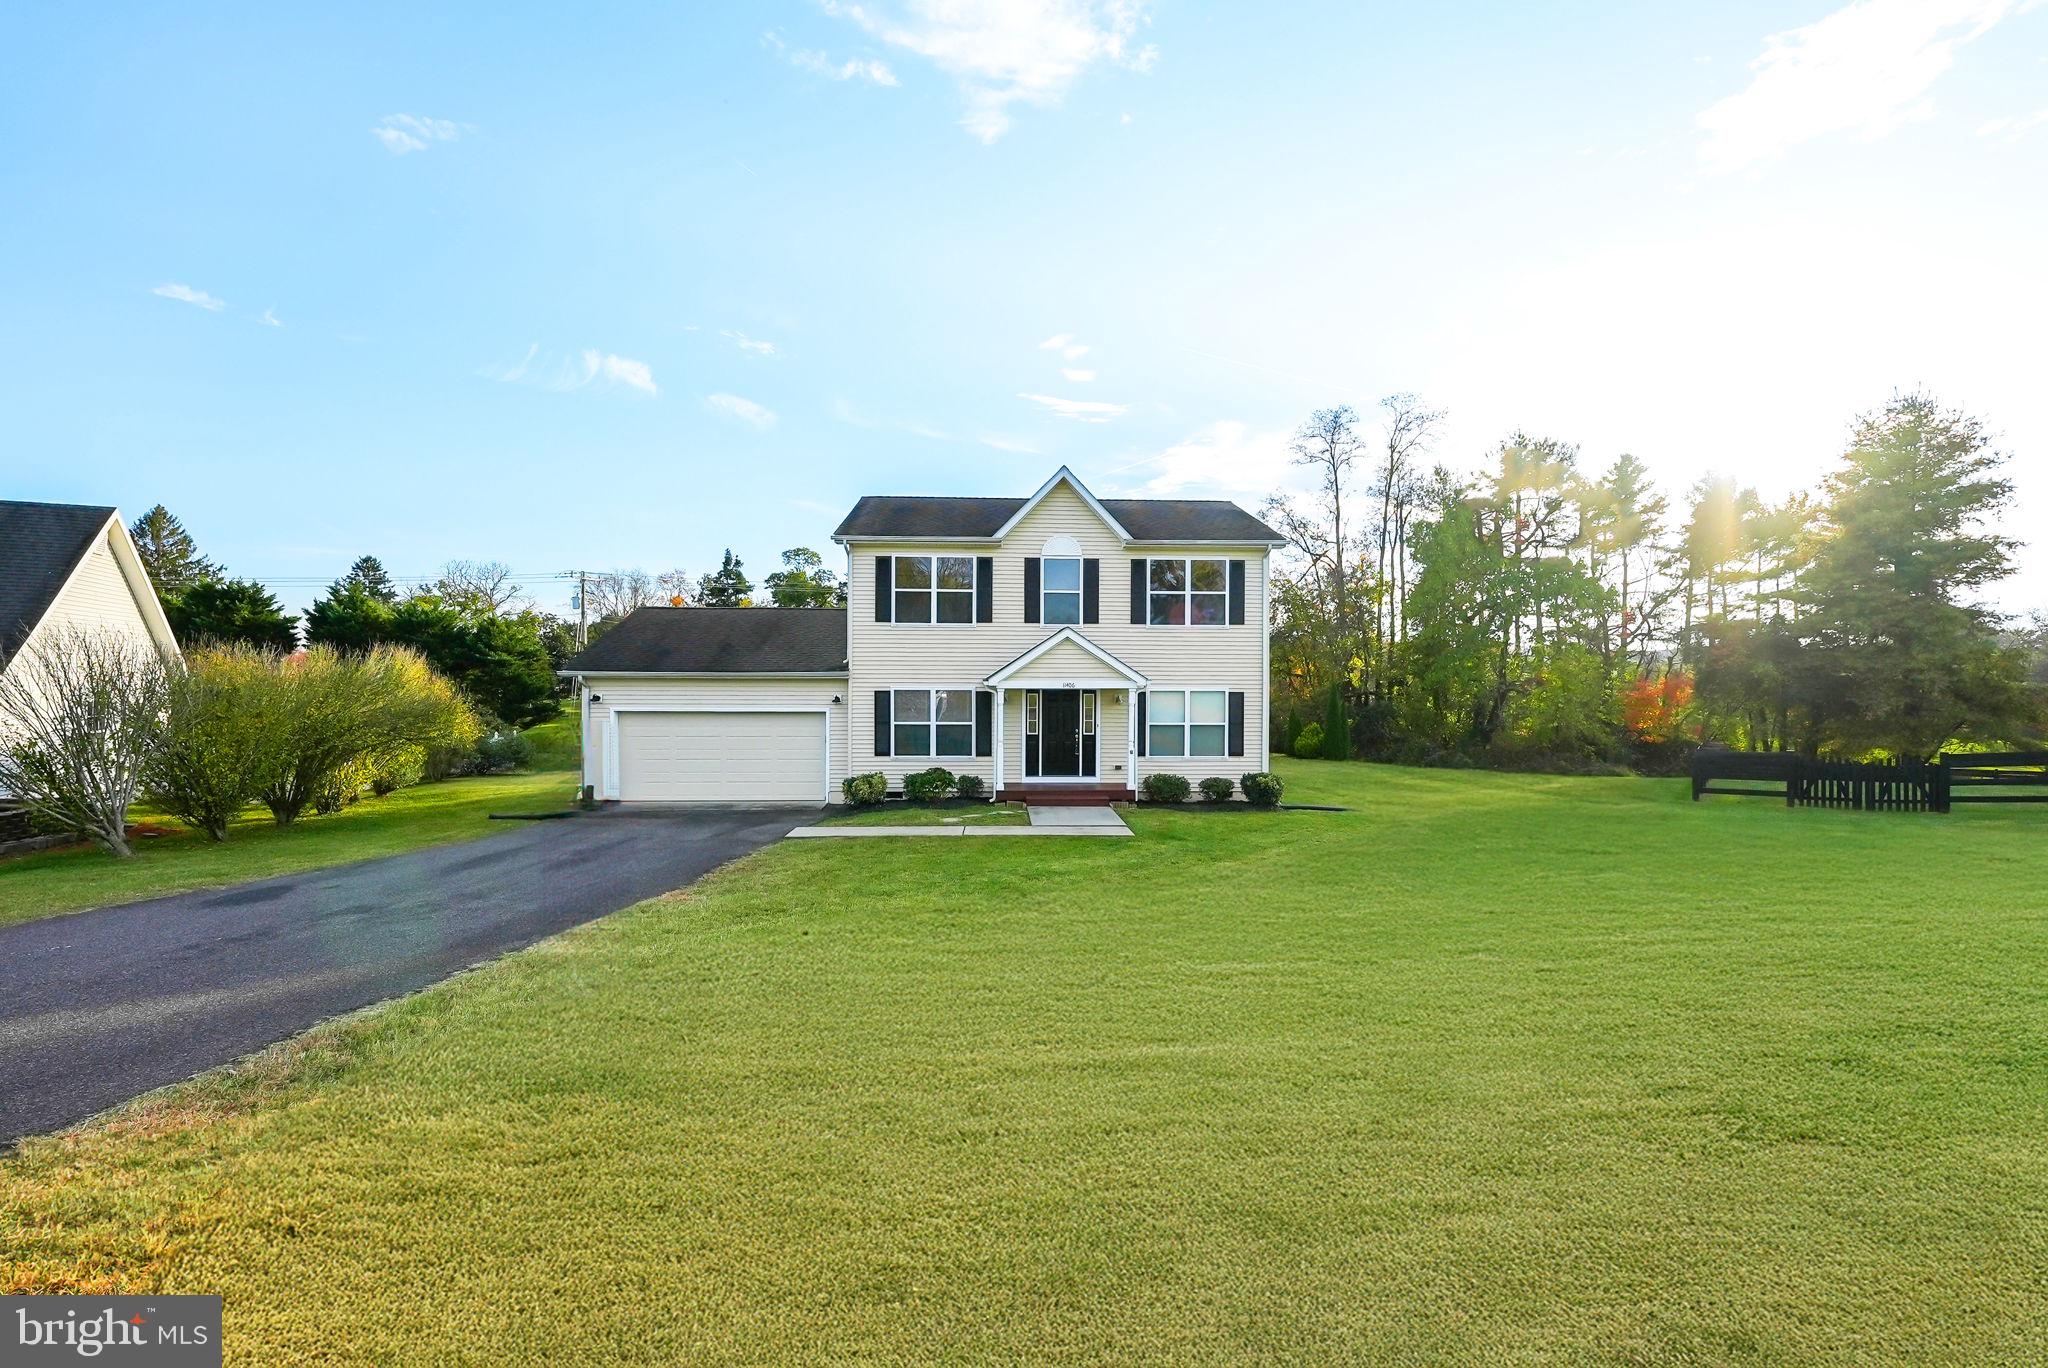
x: 934, y: 589
x: 1193, y: 592
x: 1061, y: 578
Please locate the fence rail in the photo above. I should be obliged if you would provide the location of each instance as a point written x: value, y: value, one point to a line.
x: 1871, y: 785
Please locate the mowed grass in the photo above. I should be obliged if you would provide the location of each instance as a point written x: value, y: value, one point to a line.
x: 920, y: 814
x: 429, y: 814
x: 1491, y: 1069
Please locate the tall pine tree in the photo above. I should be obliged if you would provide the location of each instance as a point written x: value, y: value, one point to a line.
x: 169, y: 553
x: 729, y: 587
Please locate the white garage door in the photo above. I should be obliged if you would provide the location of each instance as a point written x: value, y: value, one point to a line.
x: 721, y: 757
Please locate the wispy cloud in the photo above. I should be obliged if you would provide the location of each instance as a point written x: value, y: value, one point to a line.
x: 2014, y: 126
x: 753, y: 346
x: 1056, y: 342
x: 1079, y: 377
x: 1226, y: 458
x: 403, y: 133
x: 1009, y: 444
x: 1864, y: 69
x: 819, y: 64
x: 1080, y: 410
x: 1005, y: 53
x: 185, y: 294
x: 270, y: 319
x: 745, y: 410
x: 565, y: 373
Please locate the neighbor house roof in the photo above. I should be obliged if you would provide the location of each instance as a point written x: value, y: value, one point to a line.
x: 1163, y: 520
x: 40, y: 545
x: 719, y: 641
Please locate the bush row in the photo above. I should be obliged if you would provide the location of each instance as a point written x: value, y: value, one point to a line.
x: 926, y: 786
x: 1260, y: 789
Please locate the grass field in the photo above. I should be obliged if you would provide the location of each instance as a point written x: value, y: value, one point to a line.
x: 256, y: 848
x: 1492, y: 1069
x: 917, y: 814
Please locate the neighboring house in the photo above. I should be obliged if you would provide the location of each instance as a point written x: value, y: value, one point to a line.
x: 1056, y: 645
x: 71, y: 566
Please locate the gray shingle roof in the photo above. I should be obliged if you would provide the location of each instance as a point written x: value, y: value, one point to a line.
x: 899, y: 515
x: 40, y: 544
x: 719, y: 641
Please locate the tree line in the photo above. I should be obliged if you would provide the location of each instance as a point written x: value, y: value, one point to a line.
x: 1540, y: 611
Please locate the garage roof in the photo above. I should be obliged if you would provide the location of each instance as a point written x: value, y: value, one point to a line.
x: 719, y: 641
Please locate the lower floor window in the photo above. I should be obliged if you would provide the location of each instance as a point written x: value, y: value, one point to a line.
x: 1182, y: 722
x: 933, y: 721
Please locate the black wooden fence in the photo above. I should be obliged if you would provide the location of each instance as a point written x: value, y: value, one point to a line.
x: 1871, y: 785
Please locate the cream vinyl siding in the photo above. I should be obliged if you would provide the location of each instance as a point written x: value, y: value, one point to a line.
x: 97, y: 598
x: 887, y: 655
x: 800, y: 694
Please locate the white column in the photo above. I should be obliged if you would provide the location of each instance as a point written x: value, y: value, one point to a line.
x: 1131, y: 739
x: 1001, y: 695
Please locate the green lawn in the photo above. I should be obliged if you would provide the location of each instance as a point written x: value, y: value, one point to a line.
x: 558, y: 743
x: 917, y: 814
x: 428, y: 814
x: 1492, y: 1069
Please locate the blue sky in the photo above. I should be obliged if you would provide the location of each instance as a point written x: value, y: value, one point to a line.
x: 625, y: 285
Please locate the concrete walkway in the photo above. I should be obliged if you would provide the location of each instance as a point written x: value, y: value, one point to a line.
x: 1045, y: 821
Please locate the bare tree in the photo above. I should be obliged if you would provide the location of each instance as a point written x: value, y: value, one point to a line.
x: 1329, y: 444
x: 483, y: 587
x: 77, y: 712
x: 1410, y: 434
x: 615, y: 593
x: 675, y: 586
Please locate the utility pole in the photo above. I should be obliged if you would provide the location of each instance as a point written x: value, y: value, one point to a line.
x: 582, y: 609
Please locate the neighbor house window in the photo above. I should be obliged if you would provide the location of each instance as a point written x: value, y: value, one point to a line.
x: 934, y: 589
x: 1190, y: 592
x: 1062, y: 590
x: 1187, y: 722
x: 933, y: 721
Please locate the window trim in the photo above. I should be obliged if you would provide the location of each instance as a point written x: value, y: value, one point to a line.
x: 1188, y: 593
x: 972, y: 592
x: 1187, y: 724
x: 931, y: 723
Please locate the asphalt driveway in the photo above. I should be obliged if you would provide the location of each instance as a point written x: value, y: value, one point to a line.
x: 96, y: 1007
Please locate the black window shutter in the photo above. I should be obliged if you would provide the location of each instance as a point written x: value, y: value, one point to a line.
x: 984, y: 588
x: 1237, y: 717
x: 1091, y: 590
x: 1142, y: 734
x: 1237, y: 601
x: 984, y: 724
x: 882, y: 721
x: 1031, y: 588
x: 1138, y: 593
x: 885, y: 593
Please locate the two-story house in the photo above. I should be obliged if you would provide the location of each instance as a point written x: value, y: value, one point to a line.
x: 1058, y: 645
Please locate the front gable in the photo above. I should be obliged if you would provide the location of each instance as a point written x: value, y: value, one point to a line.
x: 1063, y: 481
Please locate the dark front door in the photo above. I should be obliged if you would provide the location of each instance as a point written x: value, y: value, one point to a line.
x: 1059, y: 733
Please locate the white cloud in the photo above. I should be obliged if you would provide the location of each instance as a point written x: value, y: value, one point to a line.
x: 187, y: 295
x: 1074, y: 353
x: 270, y: 319
x: 403, y: 133
x: 745, y: 410
x: 1864, y: 69
x: 1227, y: 459
x: 1010, y: 52
x: 753, y: 346
x: 1080, y: 410
x: 818, y: 64
x: 1010, y: 444
x: 565, y: 374
x: 1056, y: 341
x: 2010, y: 128
x: 1079, y: 377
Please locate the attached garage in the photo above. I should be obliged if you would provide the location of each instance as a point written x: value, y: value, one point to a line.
x: 716, y: 705
x: 724, y: 757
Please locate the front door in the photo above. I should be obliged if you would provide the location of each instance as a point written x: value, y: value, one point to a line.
x: 1059, y: 733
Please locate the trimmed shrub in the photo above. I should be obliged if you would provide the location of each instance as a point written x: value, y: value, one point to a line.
x: 970, y: 786
x: 1262, y: 789
x: 865, y: 790
x: 503, y: 750
x: 1166, y: 788
x: 1216, y: 790
x: 928, y: 786
x: 1308, y: 742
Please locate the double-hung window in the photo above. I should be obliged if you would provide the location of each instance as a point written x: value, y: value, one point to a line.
x: 934, y: 589
x: 1061, y: 577
x: 933, y: 721
x: 1181, y: 722
x: 1193, y: 592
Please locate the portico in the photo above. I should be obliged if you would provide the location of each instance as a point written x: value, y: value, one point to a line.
x: 1071, y: 697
